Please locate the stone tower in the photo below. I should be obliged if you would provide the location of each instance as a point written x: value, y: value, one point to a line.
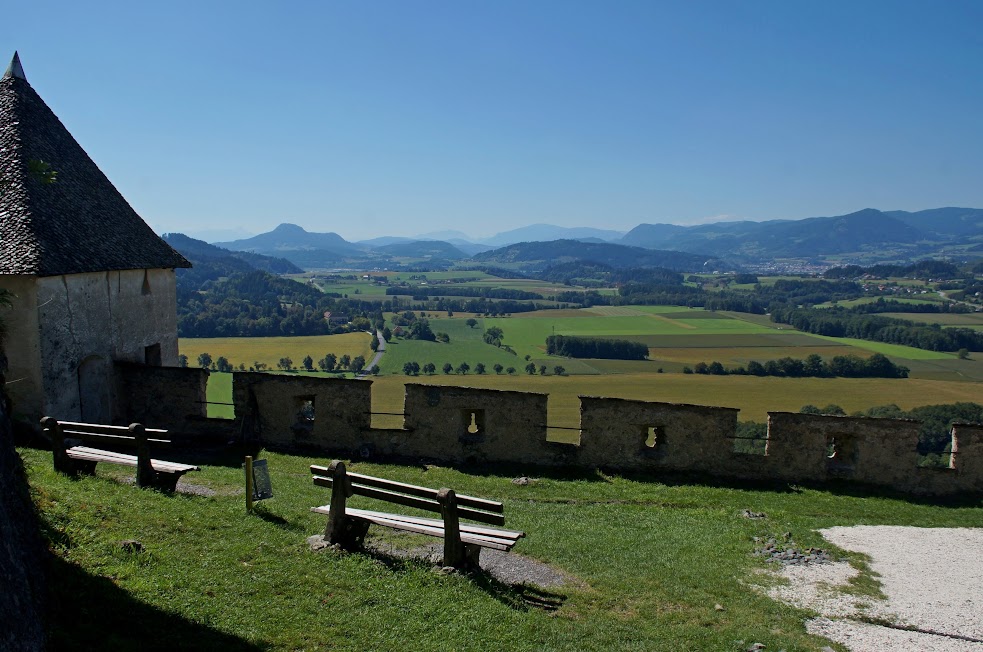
x: 91, y: 282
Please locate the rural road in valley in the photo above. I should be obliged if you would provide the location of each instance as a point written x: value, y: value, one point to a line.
x: 378, y: 355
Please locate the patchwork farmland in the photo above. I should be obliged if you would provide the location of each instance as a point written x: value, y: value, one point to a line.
x: 677, y: 338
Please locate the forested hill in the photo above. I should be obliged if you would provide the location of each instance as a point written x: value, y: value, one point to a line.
x: 233, y: 293
x: 538, y: 255
x: 258, y: 304
x: 211, y: 262
x: 861, y: 231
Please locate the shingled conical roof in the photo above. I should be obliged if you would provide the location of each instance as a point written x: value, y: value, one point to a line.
x: 80, y: 222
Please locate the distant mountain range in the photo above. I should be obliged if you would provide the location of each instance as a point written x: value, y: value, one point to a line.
x: 869, y: 235
x: 818, y: 236
x: 540, y: 255
x: 211, y: 263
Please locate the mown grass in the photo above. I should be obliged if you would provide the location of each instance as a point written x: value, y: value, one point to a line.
x: 649, y: 562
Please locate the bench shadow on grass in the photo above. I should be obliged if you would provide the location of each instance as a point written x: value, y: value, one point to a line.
x: 88, y: 612
x: 520, y: 597
x: 261, y: 512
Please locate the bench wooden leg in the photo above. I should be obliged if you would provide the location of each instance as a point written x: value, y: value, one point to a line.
x: 472, y: 555
x: 165, y: 481
x: 456, y: 553
x: 59, y: 449
x: 84, y: 467
x: 350, y: 535
x: 347, y: 532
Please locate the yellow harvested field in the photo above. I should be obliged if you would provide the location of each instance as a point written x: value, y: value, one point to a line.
x: 754, y: 396
x: 269, y: 350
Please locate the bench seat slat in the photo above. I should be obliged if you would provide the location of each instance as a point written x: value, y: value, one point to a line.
x: 387, y: 520
x: 412, y: 490
x: 413, y: 501
x: 110, y: 457
x: 496, y: 533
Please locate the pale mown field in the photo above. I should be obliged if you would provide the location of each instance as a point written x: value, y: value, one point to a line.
x: 269, y: 350
x: 754, y: 396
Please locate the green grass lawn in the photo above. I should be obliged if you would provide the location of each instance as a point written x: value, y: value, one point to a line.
x: 649, y: 562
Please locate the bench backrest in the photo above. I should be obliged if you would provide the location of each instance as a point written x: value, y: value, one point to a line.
x: 408, y: 495
x: 124, y: 435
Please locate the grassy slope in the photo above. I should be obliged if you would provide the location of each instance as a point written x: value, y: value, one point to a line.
x: 651, y: 562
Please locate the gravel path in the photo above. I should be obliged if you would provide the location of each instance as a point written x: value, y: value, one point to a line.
x: 932, y: 577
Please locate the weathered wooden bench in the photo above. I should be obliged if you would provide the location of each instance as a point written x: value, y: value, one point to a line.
x: 462, y: 542
x: 72, y: 458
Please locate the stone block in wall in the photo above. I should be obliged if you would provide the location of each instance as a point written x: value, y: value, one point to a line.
x: 460, y: 424
x: 161, y: 397
x: 288, y: 410
x: 639, y: 435
x: 968, y: 458
x: 810, y: 447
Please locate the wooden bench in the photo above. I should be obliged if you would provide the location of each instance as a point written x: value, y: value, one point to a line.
x: 73, y: 458
x: 462, y: 542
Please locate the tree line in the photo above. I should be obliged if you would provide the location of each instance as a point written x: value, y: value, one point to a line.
x: 595, y: 347
x: 328, y: 364
x: 839, y: 322
x: 840, y: 366
x: 413, y: 368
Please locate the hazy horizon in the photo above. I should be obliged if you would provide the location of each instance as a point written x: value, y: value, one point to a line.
x: 392, y: 119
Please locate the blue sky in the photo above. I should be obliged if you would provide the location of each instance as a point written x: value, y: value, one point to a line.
x: 401, y: 118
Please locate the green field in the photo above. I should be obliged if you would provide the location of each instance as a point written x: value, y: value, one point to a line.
x: 850, y: 303
x: 466, y: 345
x: 969, y: 319
x: 676, y: 338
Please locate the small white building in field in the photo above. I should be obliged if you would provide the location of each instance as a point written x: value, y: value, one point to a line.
x: 91, y: 282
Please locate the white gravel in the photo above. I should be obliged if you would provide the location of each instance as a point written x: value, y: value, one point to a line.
x: 932, y: 577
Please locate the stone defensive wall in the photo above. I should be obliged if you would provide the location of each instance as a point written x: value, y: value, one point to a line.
x: 468, y: 425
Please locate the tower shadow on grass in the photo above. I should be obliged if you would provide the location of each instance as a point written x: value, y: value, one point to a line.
x: 88, y: 612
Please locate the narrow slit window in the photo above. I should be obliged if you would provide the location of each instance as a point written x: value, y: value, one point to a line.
x: 473, y: 425
x: 653, y: 440
x: 304, y: 413
x: 151, y: 355
x: 841, y: 452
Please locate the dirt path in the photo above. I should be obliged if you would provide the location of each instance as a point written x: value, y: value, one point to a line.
x: 932, y: 577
